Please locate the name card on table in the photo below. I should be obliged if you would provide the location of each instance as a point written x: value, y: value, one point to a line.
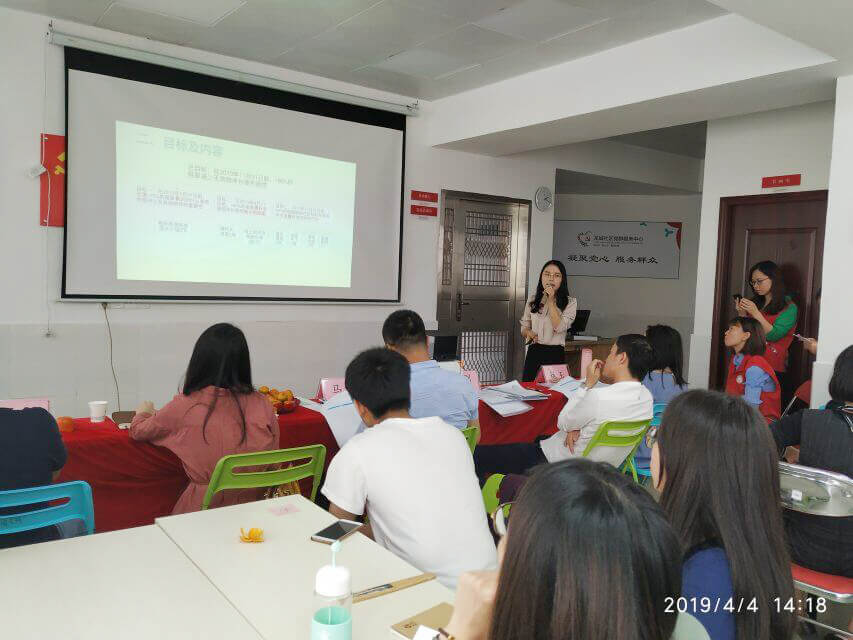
x: 551, y: 373
x: 330, y: 387
x: 473, y: 378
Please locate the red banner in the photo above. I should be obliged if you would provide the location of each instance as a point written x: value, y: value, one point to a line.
x: 793, y: 180
x: 52, y: 207
x: 421, y: 210
x: 425, y: 196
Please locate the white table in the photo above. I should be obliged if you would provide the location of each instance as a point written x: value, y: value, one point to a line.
x: 131, y: 584
x: 272, y: 583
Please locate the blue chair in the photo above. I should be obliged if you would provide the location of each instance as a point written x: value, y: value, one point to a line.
x: 78, y: 507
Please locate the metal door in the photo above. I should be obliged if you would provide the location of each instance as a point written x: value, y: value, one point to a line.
x: 482, y: 282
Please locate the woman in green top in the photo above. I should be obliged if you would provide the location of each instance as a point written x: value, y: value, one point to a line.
x: 774, y: 310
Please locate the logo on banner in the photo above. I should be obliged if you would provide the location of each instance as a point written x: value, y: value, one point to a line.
x: 585, y: 238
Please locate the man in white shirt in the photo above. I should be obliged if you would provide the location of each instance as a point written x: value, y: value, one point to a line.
x: 414, y: 477
x: 624, y: 399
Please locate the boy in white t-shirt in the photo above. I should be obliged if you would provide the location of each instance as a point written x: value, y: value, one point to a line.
x: 414, y: 477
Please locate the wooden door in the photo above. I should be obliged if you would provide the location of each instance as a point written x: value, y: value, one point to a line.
x: 787, y: 228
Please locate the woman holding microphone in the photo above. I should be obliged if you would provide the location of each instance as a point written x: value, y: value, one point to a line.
x: 547, y: 317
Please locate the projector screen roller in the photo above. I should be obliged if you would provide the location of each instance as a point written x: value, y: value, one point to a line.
x: 176, y: 193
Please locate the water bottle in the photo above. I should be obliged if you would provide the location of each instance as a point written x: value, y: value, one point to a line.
x: 332, y: 618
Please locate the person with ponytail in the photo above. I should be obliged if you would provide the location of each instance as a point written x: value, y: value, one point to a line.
x: 219, y: 413
x: 547, y: 317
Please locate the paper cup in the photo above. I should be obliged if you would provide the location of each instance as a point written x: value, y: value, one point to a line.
x: 97, y: 410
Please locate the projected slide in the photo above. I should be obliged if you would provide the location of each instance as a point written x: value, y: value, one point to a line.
x: 195, y: 209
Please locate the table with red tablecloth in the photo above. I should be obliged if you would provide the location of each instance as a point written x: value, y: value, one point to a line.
x: 135, y: 482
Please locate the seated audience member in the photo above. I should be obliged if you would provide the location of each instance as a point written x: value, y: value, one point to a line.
x: 750, y: 375
x: 414, y: 477
x: 587, y: 554
x: 219, y: 413
x: 624, y: 399
x: 825, y: 438
x: 715, y: 465
x: 435, y: 391
x: 31, y: 455
x: 666, y: 378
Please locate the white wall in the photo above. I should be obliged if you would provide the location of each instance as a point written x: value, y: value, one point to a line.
x: 629, y: 305
x: 292, y: 345
x: 739, y: 152
x: 836, y: 311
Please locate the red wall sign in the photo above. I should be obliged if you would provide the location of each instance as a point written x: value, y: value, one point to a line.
x: 421, y: 210
x: 425, y: 196
x: 793, y: 180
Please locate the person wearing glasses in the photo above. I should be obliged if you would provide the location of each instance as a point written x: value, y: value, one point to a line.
x: 775, y: 311
x: 584, y: 553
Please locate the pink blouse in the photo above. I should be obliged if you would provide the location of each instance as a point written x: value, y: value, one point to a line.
x: 177, y: 427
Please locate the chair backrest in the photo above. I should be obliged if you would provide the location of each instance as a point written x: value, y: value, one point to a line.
x: 471, y: 434
x: 490, y: 492
x: 816, y: 491
x: 26, y: 403
x: 224, y: 476
x: 657, y: 413
x: 616, y: 435
x: 78, y: 507
x: 688, y: 628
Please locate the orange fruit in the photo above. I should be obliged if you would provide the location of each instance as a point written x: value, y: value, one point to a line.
x: 265, y: 390
x: 273, y: 391
x: 66, y: 424
x: 288, y: 394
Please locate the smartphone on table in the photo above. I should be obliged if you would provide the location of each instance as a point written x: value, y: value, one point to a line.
x: 336, y: 531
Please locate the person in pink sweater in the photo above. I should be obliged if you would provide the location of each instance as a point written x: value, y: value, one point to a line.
x: 219, y: 413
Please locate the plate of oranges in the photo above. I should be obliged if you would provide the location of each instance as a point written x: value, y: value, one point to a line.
x: 282, y: 401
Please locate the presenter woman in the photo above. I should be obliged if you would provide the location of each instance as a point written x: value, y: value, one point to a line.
x: 776, y: 313
x: 548, y: 314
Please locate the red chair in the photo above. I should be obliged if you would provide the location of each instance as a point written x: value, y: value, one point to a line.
x: 823, y: 493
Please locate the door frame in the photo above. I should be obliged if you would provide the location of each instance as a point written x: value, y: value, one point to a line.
x: 721, y: 283
x: 522, y: 271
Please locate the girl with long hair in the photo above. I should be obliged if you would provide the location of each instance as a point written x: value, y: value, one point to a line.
x: 548, y: 314
x: 715, y: 464
x: 218, y: 413
x: 587, y: 554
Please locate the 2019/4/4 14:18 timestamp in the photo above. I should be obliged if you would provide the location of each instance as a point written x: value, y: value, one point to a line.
x: 801, y: 605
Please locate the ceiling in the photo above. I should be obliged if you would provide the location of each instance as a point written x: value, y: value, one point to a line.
x: 576, y: 182
x: 426, y: 49
x: 683, y: 140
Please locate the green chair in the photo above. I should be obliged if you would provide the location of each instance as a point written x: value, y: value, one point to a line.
x: 472, y: 434
x: 627, y: 435
x: 224, y: 476
x: 490, y: 492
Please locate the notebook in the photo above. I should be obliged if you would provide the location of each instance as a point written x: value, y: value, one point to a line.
x: 433, y: 618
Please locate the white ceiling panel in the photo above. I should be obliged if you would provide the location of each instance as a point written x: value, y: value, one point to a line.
x: 467, y: 10
x: 149, y: 25
x: 383, y: 30
x: 608, y: 7
x: 313, y: 60
x: 85, y: 11
x: 540, y: 20
x: 206, y: 12
x: 264, y: 29
x: 460, y: 49
x: 385, y: 80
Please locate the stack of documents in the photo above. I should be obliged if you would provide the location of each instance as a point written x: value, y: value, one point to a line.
x: 340, y: 413
x: 503, y: 404
x: 568, y: 386
x: 515, y: 391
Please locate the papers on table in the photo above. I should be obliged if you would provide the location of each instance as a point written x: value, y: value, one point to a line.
x: 340, y: 413
x: 503, y: 404
x: 515, y: 391
x: 568, y: 386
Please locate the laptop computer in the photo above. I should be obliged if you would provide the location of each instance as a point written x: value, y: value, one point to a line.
x: 581, y: 320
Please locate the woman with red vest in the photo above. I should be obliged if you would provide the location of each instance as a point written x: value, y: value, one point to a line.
x: 772, y: 307
x: 750, y: 375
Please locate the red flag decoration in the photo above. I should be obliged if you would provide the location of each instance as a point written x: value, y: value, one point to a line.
x: 52, y: 206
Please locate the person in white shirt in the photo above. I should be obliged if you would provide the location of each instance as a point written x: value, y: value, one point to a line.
x: 414, y: 478
x: 623, y: 399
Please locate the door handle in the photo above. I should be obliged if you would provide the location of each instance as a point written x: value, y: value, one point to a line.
x: 459, y: 304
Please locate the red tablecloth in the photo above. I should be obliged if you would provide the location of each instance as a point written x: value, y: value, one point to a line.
x: 135, y: 482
